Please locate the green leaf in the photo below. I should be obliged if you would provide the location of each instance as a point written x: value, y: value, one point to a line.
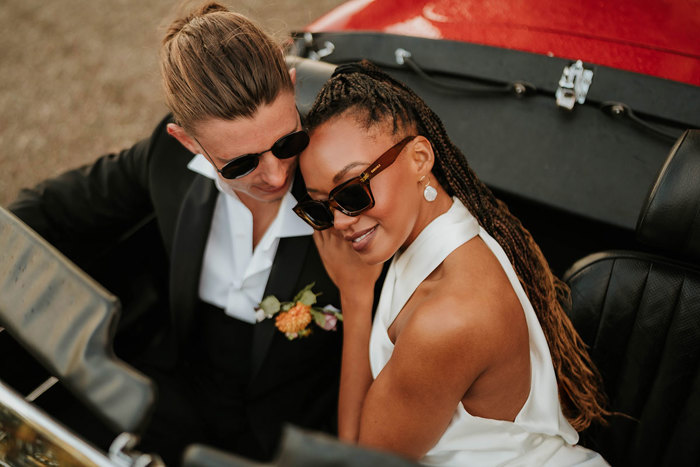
x: 308, y: 298
x: 287, y: 305
x: 319, y: 317
x: 270, y: 305
x: 295, y: 335
x: 302, y: 292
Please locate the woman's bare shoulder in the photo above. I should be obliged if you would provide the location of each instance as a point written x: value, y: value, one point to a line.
x: 472, y: 282
x: 470, y: 305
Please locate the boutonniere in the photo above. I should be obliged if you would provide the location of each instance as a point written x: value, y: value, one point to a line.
x: 293, y: 318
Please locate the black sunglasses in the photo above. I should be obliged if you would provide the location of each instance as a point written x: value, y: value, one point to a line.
x: 352, y: 197
x: 287, y: 146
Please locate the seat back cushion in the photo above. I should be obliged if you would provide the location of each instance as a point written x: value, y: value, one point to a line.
x: 640, y: 316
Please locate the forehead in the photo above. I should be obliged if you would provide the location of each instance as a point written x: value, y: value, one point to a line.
x: 231, y: 138
x: 339, y: 144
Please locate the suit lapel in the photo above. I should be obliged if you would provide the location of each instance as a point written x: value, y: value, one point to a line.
x: 283, y: 283
x: 191, y: 232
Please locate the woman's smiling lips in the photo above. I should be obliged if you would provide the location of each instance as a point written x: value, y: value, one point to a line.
x: 360, y: 240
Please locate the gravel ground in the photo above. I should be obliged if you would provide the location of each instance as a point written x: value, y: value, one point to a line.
x: 80, y: 77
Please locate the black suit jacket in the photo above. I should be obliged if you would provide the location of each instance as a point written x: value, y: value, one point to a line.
x: 88, y: 211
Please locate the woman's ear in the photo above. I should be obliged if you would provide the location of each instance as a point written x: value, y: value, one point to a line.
x: 423, y: 155
x: 179, y: 133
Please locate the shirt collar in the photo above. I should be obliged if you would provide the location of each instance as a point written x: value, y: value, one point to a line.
x: 286, y: 223
x: 201, y: 165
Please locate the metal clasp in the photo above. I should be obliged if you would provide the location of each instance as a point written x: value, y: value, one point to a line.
x: 401, y: 55
x: 122, y: 453
x: 573, y: 85
x: 328, y: 47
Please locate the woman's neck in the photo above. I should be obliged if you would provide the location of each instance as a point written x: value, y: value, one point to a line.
x: 430, y: 210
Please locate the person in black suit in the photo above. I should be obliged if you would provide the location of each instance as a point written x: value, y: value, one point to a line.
x: 224, y: 221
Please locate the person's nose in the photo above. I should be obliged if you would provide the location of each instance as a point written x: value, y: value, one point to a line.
x: 274, y: 171
x: 342, y: 222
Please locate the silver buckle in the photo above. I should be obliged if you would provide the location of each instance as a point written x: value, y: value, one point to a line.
x: 328, y: 47
x: 573, y: 85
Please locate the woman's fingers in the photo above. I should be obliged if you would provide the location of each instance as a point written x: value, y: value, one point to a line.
x: 343, y: 265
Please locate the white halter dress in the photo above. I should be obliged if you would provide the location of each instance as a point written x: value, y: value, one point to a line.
x: 540, y: 434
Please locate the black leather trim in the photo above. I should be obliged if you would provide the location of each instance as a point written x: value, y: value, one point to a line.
x: 670, y: 219
x: 671, y: 100
x: 579, y: 266
x: 299, y: 448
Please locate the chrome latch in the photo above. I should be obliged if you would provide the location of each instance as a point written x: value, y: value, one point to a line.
x: 573, y: 85
x: 401, y: 55
x: 328, y: 47
x: 122, y: 453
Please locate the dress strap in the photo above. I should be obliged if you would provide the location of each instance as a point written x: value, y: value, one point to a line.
x: 441, y: 237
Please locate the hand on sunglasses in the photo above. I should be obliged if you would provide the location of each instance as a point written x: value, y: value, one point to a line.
x: 352, y: 197
x: 289, y: 145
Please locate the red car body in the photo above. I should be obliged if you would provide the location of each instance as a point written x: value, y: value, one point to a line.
x: 657, y: 38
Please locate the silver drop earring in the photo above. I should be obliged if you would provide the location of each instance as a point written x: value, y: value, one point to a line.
x: 429, y: 193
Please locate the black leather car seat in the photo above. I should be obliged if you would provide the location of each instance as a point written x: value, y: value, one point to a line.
x: 66, y: 320
x: 640, y: 315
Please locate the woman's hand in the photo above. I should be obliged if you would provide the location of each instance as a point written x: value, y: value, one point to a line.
x: 344, y: 266
x: 355, y: 279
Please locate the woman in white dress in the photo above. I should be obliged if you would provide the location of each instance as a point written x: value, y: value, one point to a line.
x: 470, y: 359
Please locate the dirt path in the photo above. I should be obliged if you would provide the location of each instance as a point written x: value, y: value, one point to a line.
x: 80, y: 78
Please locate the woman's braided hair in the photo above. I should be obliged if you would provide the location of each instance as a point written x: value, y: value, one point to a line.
x: 372, y: 95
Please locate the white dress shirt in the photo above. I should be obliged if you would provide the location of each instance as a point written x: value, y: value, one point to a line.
x: 234, y: 274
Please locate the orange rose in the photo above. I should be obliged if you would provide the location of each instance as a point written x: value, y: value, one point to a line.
x: 293, y: 322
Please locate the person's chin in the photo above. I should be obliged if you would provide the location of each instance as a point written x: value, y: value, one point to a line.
x: 370, y: 247
x: 374, y: 256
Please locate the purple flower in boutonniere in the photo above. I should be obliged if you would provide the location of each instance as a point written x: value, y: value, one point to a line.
x: 328, y: 319
x: 293, y: 318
